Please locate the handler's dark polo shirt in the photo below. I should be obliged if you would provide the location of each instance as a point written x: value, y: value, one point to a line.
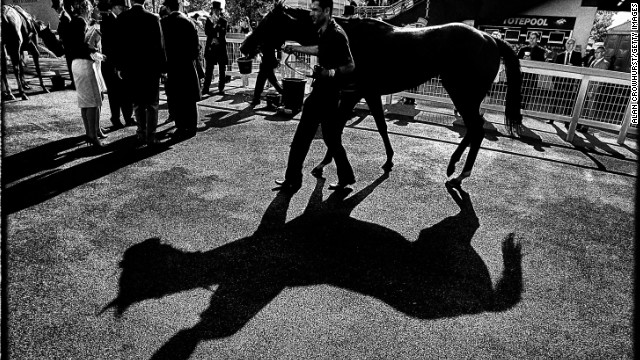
x: 333, y: 52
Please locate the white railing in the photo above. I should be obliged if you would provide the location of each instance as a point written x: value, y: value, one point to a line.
x: 575, y: 95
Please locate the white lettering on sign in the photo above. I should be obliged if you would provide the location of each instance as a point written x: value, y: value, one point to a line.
x: 526, y: 21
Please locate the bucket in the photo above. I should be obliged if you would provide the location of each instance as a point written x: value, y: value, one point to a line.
x: 293, y: 93
x: 57, y: 82
x: 245, y: 65
x: 273, y: 101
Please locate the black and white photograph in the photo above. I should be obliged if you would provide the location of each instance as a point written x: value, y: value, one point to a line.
x: 318, y: 179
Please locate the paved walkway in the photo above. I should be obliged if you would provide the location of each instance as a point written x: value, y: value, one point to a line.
x: 400, y: 268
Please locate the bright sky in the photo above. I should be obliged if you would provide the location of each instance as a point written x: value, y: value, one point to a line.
x: 620, y: 17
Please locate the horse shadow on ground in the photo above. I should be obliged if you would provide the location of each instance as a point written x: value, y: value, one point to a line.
x: 50, y: 180
x: 438, y: 275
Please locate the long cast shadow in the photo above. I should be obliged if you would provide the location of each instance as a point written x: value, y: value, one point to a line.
x: 54, y: 181
x: 438, y: 275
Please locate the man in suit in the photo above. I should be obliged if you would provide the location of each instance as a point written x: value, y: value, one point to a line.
x: 215, y: 51
x: 117, y: 97
x: 140, y: 61
x: 599, y: 62
x: 64, y: 12
x: 182, y: 85
x: 570, y: 56
x: 563, y: 87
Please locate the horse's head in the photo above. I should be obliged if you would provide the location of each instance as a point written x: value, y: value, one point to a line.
x: 280, y: 24
x: 56, y: 4
x: 49, y: 38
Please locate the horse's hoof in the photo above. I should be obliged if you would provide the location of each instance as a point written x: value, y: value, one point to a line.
x: 25, y: 97
x: 45, y: 90
x: 8, y: 96
x: 26, y: 87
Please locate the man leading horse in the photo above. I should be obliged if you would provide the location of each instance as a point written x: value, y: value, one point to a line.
x: 467, y: 61
x: 321, y: 107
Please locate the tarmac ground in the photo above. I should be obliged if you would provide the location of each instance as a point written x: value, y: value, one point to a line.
x: 202, y: 259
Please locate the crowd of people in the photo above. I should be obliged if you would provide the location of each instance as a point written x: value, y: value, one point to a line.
x: 561, y: 87
x: 129, y: 52
x: 133, y: 48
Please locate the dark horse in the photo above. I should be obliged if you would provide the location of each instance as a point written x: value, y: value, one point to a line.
x: 20, y: 33
x: 390, y: 59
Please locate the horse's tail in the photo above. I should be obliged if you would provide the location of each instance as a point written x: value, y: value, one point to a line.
x: 513, y: 117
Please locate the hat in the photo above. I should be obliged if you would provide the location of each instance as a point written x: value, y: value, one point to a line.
x: 216, y: 5
x: 124, y: 3
x: 172, y: 4
x: 349, y: 10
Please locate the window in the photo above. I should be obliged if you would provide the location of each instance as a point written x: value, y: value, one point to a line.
x: 512, y: 35
x: 556, y: 37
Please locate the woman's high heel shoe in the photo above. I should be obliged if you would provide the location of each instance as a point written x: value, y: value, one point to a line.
x: 96, y: 143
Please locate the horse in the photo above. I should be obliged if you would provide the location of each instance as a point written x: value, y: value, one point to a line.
x: 20, y: 33
x: 390, y: 59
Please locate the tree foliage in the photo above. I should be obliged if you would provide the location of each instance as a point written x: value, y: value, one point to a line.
x: 236, y: 9
x: 601, y: 22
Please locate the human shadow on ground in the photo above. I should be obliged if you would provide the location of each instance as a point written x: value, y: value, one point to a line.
x: 590, y: 144
x: 222, y: 118
x: 45, y: 157
x: 52, y: 180
x: 438, y: 275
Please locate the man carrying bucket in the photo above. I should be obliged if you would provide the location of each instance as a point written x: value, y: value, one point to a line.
x: 215, y: 51
x: 321, y: 107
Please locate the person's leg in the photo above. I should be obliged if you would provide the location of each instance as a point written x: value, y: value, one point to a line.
x: 85, y: 122
x: 152, y: 122
x: 332, y: 126
x: 221, y: 79
x: 260, y: 81
x: 302, y: 139
x: 113, y: 92
x: 140, y: 114
x: 208, y: 76
x: 93, y: 122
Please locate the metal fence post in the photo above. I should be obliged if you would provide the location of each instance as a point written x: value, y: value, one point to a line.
x: 625, y: 124
x: 582, y: 93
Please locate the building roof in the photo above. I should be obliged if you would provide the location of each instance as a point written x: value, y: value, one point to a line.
x: 624, y: 27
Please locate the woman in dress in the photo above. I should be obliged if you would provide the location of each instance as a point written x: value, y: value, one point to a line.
x: 84, y: 41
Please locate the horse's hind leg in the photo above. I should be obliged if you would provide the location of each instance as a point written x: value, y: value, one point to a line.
x: 33, y: 50
x: 6, y: 90
x: 375, y: 106
x: 17, y: 71
x: 472, y: 139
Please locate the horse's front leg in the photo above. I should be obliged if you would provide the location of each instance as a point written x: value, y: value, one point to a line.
x: 375, y: 106
x: 17, y: 71
x: 36, y: 62
x: 6, y: 90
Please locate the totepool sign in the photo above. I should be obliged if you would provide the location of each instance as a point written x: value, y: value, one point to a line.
x: 547, y: 22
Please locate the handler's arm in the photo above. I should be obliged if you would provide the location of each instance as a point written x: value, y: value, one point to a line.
x: 309, y: 50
